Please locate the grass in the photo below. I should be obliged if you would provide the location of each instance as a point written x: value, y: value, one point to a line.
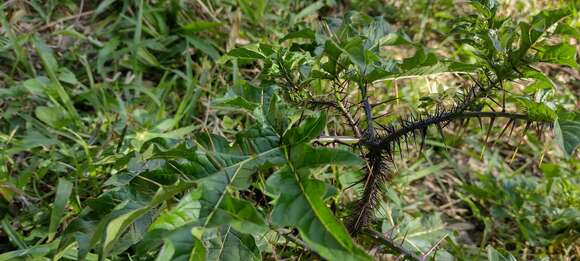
x: 92, y: 93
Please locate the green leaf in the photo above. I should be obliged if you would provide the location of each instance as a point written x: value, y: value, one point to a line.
x: 119, y: 224
x: 421, y: 71
x: 204, y: 46
x: 396, y: 38
x: 178, y: 245
x: 223, y: 244
x: 242, y: 95
x: 359, y: 55
x: 530, y: 33
x: 243, y: 53
x: 104, y: 5
x: 299, y: 202
x: 309, y: 129
x: 494, y: 255
x: 565, y: 29
x: 538, y: 85
x: 198, y: 26
x: 417, y: 234
x: 51, y: 68
x: 304, y: 33
x: 63, y: 191
x: 567, y: 129
x: 231, y: 245
x: 306, y: 11
x: 221, y: 168
x: 52, y: 116
x: 14, y: 236
x: 147, y: 58
x: 253, y: 8
x: 485, y: 7
x: 422, y: 58
x: 144, y: 136
x: 564, y: 54
x: 536, y: 111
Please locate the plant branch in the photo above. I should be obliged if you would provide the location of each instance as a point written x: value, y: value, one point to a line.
x: 375, y: 235
x: 345, y: 113
x: 420, y: 124
x: 337, y: 139
x: 445, y: 117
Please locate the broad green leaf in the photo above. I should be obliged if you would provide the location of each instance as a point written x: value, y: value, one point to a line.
x: 144, y: 136
x: 485, y: 7
x: 32, y: 253
x: 536, y: 111
x: 178, y: 245
x: 563, y: 54
x: 223, y: 168
x: 531, y: 32
x: 375, y: 31
x: 417, y: 234
x: 420, y: 71
x: 224, y: 243
x: 299, y: 202
x: 242, y: 95
x: 567, y: 129
x: 119, y: 224
x: 422, y: 58
x: 309, y: 129
x: 105, y: 54
x: 53, y: 116
x: 565, y: 29
x: 396, y: 38
x: 304, y: 33
x: 359, y: 55
x: 242, y: 53
x: 63, y: 191
x: 236, y: 102
x: 538, y: 85
x: 230, y: 245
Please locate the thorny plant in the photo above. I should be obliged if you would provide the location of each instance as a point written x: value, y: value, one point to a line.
x: 340, y: 68
x: 164, y: 172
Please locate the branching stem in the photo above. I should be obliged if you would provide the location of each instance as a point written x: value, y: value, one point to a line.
x: 418, y: 125
x: 445, y: 117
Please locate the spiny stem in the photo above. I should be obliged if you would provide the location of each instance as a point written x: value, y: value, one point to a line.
x: 463, y: 115
x: 444, y: 118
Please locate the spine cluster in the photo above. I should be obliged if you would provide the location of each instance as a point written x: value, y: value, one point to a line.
x: 382, y: 145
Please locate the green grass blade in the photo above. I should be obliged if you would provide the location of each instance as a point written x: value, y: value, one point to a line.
x: 63, y: 191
